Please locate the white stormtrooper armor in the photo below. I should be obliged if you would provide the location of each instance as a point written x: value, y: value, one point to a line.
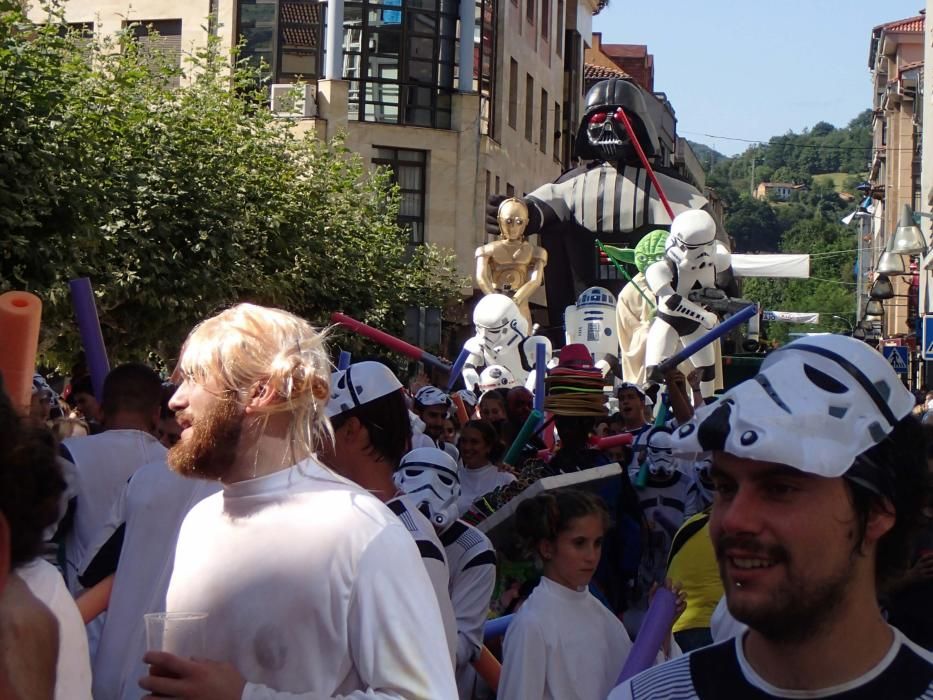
x: 701, y: 492
x: 837, y: 398
x: 430, y: 477
x: 502, y: 338
x: 692, y: 261
x: 591, y: 321
x: 496, y: 377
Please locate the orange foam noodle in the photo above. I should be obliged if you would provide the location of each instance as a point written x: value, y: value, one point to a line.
x: 462, y: 415
x: 20, y: 316
x: 488, y: 668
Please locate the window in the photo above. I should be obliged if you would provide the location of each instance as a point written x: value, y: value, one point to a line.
x: 559, y: 33
x: 162, y: 38
x: 399, y: 61
x: 509, y: 189
x: 542, y: 137
x: 486, y: 22
x: 513, y: 93
x: 300, y: 36
x: 545, y: 19
x: 530, y: 10
x: 497, y: 184
x: 409, y: 171
x: 556, y: 149
x: 529, y: 105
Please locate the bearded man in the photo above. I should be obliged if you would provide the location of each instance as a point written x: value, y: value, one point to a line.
x: 820, y: 475
x: 312, y: 587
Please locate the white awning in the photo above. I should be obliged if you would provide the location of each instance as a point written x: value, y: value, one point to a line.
x: 771, y: 265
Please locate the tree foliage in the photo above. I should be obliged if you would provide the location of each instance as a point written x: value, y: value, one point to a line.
x: 176, y: 202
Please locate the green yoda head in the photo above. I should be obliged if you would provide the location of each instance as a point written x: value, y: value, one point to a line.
x: 650, y: 249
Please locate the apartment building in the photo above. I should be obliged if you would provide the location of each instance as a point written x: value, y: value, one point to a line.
x: 459, y: 99
x: 896, y: 63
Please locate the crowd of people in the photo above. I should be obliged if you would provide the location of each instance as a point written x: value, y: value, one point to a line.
x: 328, y: 524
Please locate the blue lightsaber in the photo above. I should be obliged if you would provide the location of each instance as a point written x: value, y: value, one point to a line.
x: 457, y: 369
x: 711, y: 335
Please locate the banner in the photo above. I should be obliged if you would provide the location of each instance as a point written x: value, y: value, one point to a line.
x: 771, y: 265
x: 790, y: 316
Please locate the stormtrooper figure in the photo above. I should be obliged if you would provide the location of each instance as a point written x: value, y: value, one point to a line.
x: 590, y: 322
x: 663, y: 499
x: 429, y: 476
x: 694, y: 260
x: 502, y: 338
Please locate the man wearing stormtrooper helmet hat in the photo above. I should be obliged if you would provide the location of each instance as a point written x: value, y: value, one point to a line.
x: 432, y: 405
x: 431, y: 479
x: 820, y: 476
x: 371, y: 434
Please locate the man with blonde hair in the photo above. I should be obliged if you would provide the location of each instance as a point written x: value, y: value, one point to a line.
x: 313, y: 589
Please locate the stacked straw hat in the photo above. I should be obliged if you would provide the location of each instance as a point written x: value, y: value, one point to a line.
x: 575, y: 386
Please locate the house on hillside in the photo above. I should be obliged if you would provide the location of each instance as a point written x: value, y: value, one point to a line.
x: 780, y: 191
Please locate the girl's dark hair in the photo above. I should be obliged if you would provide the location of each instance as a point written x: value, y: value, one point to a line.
x: 548, y: 514
x: 902, y: 460
x: 493, y: 395
x: 490, y: 437
x: 31, y: 482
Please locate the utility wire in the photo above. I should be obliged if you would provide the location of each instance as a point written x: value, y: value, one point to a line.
x: 791, y: 144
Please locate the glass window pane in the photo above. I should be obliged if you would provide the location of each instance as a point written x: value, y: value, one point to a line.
x: 409, y: 177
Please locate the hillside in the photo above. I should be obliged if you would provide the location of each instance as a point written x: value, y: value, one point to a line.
x: 707, y: 156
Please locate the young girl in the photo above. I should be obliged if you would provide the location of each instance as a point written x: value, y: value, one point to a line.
x: 563, y: 643
x: 479, y: 449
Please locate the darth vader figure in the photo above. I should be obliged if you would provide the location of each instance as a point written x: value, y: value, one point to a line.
x: 609, y: 196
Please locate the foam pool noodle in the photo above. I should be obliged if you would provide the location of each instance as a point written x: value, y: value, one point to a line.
x: 95, y: 353
x: 531, y: 424
x: 20, y: 317
x: 654, y: 629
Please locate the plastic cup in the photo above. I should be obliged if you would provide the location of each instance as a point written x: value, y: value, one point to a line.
x: 178, y: 633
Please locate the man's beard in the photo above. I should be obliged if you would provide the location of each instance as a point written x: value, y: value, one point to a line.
x: 798, y: 608
x: 212, y: 447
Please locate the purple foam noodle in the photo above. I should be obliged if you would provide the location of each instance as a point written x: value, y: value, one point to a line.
x: 654, y: 630
x: 92, y: 339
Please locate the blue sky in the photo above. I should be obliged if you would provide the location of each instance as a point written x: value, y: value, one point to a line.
x: 751, y: 69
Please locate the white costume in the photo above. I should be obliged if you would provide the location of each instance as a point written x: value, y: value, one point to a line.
x: 701, y: 491
x: 103, y: 464
x: 478, y: 482
x: 693, y: 260
x: 138, y: 542
x: 472, y: 562
x: 562, y: 645
x: 314, y: 589
x: 502, y: 338
x: 434, y: 560
x: 73, y: 669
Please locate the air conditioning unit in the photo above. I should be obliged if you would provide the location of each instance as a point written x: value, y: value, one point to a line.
x: 294, y: 100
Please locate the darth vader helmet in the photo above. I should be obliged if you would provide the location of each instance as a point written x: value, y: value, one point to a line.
x: 602, y: 134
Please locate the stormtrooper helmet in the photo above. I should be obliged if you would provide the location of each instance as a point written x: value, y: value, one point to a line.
x: 431, y: 396
x: 693, y: 233
x: 815, y: 405
x: 661, y: 461
x: 602, y: 134
x: 430, y: 477
x: 498, y: 322
x: 359, y: 384
x: 496, y: 377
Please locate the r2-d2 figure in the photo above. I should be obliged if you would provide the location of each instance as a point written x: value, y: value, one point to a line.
x: 591, y: 321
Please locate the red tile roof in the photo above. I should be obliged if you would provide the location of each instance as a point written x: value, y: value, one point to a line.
x: 594, y: 72
x: 911, y: 24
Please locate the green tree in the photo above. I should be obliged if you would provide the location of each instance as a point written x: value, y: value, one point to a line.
x: 178, y: 202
